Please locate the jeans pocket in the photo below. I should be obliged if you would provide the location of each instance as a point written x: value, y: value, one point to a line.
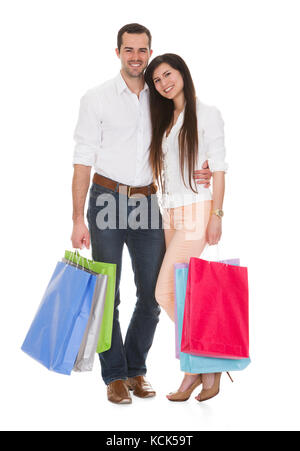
x: 102, y: 208
x: 96, y: 190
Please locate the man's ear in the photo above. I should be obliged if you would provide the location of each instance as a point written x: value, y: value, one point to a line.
x: 117, y: 52
x: 151, y: 51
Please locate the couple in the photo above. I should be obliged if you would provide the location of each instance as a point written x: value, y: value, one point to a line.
x: 145, y: 126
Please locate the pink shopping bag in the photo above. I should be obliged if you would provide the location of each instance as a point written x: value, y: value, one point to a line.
x: 216, y: 318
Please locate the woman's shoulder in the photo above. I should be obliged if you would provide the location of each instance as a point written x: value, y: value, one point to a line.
x: 206, y: 110
x: 208, y: 115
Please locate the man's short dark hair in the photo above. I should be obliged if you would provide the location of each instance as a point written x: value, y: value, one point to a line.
x: 133, y: 28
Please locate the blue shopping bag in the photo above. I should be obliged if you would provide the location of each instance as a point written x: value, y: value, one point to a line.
x: 191, y: 363
x: 57, y: 330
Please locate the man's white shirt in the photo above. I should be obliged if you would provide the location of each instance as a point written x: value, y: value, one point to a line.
x: 113, y: 133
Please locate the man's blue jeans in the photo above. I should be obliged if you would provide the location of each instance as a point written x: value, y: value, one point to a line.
x: 146, y: 246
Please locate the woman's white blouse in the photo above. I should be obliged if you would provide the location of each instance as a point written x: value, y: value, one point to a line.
x: 211, y: 147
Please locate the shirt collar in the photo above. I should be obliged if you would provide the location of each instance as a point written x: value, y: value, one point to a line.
x: 121, y: 85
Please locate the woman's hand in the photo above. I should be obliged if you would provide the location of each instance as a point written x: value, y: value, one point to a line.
x: 214, y: 230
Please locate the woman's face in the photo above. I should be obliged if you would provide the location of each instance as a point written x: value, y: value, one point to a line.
x: 167, y: 81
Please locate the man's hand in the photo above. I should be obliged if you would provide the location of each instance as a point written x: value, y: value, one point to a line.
x: 80, y: 185
x: 203, y: 176
x: 80, y: 236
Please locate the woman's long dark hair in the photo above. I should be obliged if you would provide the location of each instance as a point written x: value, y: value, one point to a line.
x: 162, y: 110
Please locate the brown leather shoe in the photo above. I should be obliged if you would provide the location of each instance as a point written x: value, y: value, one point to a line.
x: 140, y: 387
x: 118, y: 393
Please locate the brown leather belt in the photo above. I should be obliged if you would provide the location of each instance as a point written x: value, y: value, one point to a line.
x: 124, y: 189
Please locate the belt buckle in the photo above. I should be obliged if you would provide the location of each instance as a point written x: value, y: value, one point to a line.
x: 129, y: 191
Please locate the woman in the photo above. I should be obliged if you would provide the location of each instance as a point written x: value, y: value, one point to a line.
x: 185, y: 133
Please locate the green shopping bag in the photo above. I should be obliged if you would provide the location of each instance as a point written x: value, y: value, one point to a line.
x: 109, y: 269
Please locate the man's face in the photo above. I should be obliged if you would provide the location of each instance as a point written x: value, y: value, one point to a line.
x: 134, y: 53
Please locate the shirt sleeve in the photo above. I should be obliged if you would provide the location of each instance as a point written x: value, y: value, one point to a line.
x: 214, y: 140
x: 87, y: 134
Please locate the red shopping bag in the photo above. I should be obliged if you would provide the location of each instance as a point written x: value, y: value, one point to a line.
x: 216, y: 318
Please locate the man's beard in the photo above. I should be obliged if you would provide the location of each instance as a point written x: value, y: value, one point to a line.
x: 134, y: 74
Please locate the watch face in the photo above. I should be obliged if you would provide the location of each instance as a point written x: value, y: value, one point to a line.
x: 221, y: 213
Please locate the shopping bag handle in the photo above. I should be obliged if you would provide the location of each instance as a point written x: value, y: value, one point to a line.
x: 210, y: 256
x: 78, y: 258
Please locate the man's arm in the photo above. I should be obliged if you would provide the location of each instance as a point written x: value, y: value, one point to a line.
x: 80, y: 185
x: 203, y: 175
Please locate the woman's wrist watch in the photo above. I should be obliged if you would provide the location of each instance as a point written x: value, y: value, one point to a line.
x: 218, y: 212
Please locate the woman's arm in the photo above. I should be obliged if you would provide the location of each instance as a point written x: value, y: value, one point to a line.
x: 214, y: 228
x: 214, y: 138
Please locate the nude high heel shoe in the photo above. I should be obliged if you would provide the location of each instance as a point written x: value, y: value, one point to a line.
x: 180, y: 396
x: 208, y: 393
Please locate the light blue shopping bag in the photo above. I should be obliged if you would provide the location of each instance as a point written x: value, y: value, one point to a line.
x: 57, y: 330
x: 191, y: 363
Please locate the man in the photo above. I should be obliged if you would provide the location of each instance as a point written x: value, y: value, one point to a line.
x: 112, y: 135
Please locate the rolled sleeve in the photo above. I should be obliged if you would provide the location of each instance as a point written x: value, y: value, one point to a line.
x: 87, y: 134
x: 214, y: 139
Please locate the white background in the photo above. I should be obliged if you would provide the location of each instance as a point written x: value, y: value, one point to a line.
x: 244, y: 58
